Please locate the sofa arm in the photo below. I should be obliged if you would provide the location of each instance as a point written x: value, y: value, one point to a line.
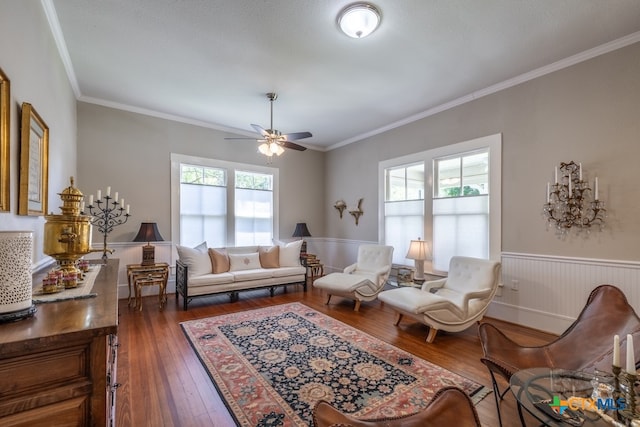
x: 182, y: 282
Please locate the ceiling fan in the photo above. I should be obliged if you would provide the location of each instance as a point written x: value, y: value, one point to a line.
x: 274, y: 142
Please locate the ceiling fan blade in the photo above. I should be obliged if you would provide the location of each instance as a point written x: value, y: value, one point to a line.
x: 260, y: 130
x: 252, y: 139
x: 297, y: 135
x: 292, y: 145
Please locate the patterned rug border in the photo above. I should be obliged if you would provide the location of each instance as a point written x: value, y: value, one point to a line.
x: 476, y: 395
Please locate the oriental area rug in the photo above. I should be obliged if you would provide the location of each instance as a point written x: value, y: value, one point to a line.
x: 272, y: 365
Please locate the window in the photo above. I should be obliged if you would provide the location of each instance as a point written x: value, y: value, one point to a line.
x: 203, y: 205
x: 450, y: 196
x: 460, y: 207
x: 222, y: 203
x: 403, y: 208
x: 254, y: 208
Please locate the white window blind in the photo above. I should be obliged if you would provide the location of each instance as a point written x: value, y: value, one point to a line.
x: 460, y: 207
x: 253, y: 209
x: 403, y: 208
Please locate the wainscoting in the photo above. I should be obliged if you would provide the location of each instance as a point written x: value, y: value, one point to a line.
x: 539, y: 291
x: 551, y: 291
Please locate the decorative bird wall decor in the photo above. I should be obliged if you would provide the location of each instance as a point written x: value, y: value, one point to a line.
x: 340, y: 205
x: 357, y: 213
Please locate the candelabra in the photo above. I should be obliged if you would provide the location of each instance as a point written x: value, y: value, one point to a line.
x: 571, y: 202
x: 628, y: 414
x: 106, y: 214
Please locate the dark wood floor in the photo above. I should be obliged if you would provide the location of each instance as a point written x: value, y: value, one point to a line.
x: 164, y: 384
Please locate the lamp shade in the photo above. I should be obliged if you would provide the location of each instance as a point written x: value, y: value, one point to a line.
x: 418, y: 250
x: 301, y: 230
x: 148, y: 233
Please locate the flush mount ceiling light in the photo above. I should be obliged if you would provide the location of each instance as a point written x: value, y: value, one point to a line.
x: 358, y: 20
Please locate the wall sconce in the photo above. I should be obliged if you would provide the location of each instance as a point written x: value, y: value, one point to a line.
x: 571, y: 202
x: 340, y: 205
x: 148, y: 233
x: 357, y: 213
x: 419, y: 252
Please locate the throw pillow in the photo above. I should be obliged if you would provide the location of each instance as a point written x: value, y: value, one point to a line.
x: 247, y: 261
x: 269, y: 256
x: 219, y: 261
x: 197, y: 259
x: 290, y: 253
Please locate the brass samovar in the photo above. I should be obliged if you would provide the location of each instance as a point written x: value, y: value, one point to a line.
x: 67, y: 237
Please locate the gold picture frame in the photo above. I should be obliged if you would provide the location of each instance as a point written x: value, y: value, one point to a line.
x: 5, y: 118
x: 34, y: 163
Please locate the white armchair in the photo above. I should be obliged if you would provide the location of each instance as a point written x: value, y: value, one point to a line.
x: 452, y: 304
x: 363, y: 280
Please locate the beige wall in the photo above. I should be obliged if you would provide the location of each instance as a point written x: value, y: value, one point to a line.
x: 131, y: 153
x: 589, y: 113
x: 29, y: 58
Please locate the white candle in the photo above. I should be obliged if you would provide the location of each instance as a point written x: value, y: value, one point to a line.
x: 616, y: 351
x: 116, y: 196
x: 631, y: 358
x: 91, y: 200
x: 99, y: 195
x: 127, y: 209
x: 122, y: 203
x: 580, y: 171
x: 82, y: 206
x: 556, y: 170
x: 595, y: 186
x: 108, y: 191
x: 548, y: 191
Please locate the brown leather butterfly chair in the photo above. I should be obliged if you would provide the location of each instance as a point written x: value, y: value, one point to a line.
x: 449, y: 407
x: 586, y: 345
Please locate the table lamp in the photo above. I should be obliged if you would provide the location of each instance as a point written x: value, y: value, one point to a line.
x: 148, y: 233
x: 302, y: 231
x: 419, y: 251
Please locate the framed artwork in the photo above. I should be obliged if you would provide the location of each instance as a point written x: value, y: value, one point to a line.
x: 34, y: 163
x: 5, y: 117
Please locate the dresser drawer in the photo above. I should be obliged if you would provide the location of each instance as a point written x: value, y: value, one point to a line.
x: 35, y: 372
x: 72, y: 412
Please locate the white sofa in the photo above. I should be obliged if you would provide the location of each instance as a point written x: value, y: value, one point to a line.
x: 203, y: 271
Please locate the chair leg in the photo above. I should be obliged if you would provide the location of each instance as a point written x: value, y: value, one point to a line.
x: 357, y: 307
x: 498, y: 396
x: 398, y: 318
x: 432, y: 335
x: 328, y: 299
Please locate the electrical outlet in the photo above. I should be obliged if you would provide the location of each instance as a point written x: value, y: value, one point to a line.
x: 515, y: 285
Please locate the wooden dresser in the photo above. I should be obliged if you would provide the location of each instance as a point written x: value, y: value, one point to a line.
x: 58, y: 367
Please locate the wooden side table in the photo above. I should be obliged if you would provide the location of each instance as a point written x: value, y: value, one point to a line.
x: 139, y: 275
x: 313, y: 265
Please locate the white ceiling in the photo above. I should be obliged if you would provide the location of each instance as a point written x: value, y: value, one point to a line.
x: 210, y: 62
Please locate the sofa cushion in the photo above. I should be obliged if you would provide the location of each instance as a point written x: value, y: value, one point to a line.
x: 269, y: 256
x: 253, y: 274
x: 219, y: 260
x: 290, y: 253
x: 210, y: 279
x: 249, y: 261
x: 197, y: 259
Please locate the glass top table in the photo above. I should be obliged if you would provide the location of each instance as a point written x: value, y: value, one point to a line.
x: 538, y: 390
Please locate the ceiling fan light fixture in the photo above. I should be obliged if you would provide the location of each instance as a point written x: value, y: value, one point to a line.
x: 358, y: 20
x: 264, y: 149
x: 276, y: 148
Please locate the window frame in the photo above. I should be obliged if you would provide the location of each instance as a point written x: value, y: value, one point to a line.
x: 493, y: 143
x: 231, y: 168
